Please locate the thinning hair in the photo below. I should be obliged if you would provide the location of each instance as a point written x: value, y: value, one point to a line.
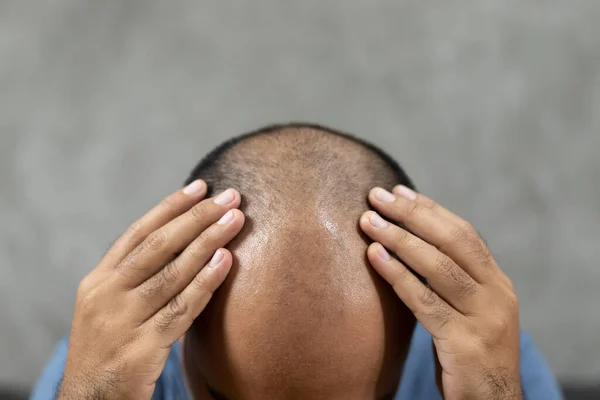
x: 223, y: 167
x: 300, y: 261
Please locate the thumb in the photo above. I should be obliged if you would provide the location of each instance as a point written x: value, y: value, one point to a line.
x: 438, y: 370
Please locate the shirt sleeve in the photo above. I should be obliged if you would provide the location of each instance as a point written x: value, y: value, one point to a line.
x: 537, y: 380
x: 48, y: 385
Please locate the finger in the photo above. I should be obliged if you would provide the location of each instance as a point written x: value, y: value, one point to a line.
x: 459, y: 241
x: 430, y: 310
x: 169, y: 208
x: 162, y: 245
x: 175, y: 318
x: 176, y: 275
x: 446, y: 278
x: 409, y: 194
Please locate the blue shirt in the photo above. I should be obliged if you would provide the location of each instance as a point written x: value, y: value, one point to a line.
x: 418, y: 380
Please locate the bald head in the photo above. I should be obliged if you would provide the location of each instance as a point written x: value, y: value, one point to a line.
x: 302, y: 314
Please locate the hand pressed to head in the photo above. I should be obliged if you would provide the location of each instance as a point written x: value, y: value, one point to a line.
x: 309, y: 309
x: 469, y: 305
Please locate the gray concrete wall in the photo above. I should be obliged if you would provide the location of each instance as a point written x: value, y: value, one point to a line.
x: 492, y: 106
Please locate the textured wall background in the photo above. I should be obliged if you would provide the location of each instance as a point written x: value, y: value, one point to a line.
x: 493, y: 108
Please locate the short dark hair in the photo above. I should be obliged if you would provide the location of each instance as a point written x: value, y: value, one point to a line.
x: 209, y: 168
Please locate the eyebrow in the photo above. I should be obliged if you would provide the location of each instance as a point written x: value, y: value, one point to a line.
x: 219, y: 396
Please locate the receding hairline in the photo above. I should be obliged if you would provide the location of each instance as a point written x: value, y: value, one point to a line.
x: 220, y: 153
x: 342, y: 292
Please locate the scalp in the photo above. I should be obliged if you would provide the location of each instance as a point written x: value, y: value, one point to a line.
x: 301, y: 308
x: 291, y: 166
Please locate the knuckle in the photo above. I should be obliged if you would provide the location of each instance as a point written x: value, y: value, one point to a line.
x: 177, y: 307
x: 85, y: 286
x: 459, y: 234
x: 429, y: 203
x: 432, y: 307
x: 412, y: 208
x: 498, y: 328
x: 204, y: 284
x: 202, y: 242
x: 175, y: 310
x: 479, y: 251
x: 155, y: 242
x: 443, y: 315
x: 466, y: 235
x: 168, y: 202
x: 427, y: 297
x: 199, y: 212
x: 171, y: 273
x: 465, y: 285
x: 164, y: 323
x: 468, y: 228
x: 500, y: 322
x: 445, y: 265
x: 88, y: 301
x: 200, y: 282
x: 402, y: 238
x: 149, y: 289
x: 503, y: 325
x: 481, y: 254
x: 134, y: 232
x: 167, y: 277
x: 195, y: 251
x: 129, y: 263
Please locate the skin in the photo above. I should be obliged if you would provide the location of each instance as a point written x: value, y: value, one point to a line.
x: 146, y: 292
x: 469, y: 305
x: 302, y: 314
x: 153, y: 284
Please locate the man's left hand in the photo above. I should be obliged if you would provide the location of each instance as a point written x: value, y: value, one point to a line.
x: 468, y: 304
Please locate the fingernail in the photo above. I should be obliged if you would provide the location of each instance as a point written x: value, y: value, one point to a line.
x: 377, y: 221
x: 194, y: 187
x: 225, y: 219
x: 384, y: 196
x: 405, y: 192
x: 216, y: 259
x: 225, y: 198
x: 383, y: 253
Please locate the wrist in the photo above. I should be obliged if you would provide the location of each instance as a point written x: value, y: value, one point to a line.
x: 81, y: 390
x: 495, y: 386
x: 500, y: 390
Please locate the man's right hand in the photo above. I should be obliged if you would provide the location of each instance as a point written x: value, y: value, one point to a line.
x: 146, y: 292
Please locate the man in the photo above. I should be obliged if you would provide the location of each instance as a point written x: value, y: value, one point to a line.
x: 330, y: 287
